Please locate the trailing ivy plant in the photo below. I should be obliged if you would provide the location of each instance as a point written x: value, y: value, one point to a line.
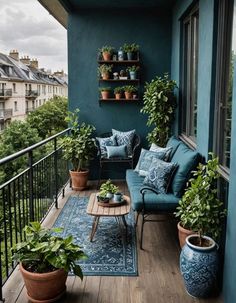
x: 42, y: 251
x: 159, y: 104
x: 200, y: 210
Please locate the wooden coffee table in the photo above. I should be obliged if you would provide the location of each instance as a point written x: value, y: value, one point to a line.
x: 118, y: 212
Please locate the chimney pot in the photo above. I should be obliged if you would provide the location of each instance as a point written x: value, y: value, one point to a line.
x: 14, y: 54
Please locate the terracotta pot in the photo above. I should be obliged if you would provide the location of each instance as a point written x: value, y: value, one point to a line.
x: 106, y: 56
x: 118, y: 96
x: 79, y: 179
x: 45, y: 287
x: 183, y: 234
x: 128, y: 95
x: 105, y: 76
x: 105, y: 94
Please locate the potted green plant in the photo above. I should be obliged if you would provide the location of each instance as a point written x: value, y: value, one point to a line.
x: 132, y: 70
x: 107, y: 52
x: 201, y: 212
x: 129, y: 90
x: 108, y: 189
x: 159, y: 104
x: 130, y: 50
x: 105, y: 92
x: 45, y: 260
x: 118, y: 92
x: 104, y: 71
x: 78, y: 147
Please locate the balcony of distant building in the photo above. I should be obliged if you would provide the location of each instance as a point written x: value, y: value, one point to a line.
x: 5, y: 114
x: 5, y: 93
x: 29, y: 93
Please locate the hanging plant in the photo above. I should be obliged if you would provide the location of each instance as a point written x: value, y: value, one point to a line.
x: 159, y: 104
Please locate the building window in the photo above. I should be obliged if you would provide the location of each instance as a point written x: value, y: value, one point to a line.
x: 15, y: 106
x: 14, y: 87
x: 189, y: 74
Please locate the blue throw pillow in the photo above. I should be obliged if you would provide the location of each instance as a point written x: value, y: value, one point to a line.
x: 157, y: 148
x: 103, y: 142
x: 125, y: 138
x: 160, y: 175
x: 145, y: 160
x: 117, y: 151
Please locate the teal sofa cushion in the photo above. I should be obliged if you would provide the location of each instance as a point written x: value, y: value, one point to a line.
x: 117, y: 151
x: 153, y: 202
x: 173, y: 142
x: 187, y: 161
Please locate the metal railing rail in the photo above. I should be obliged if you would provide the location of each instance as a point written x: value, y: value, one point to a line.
x: 29, y: 195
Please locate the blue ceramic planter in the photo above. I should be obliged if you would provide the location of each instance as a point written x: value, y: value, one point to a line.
x: 133, y: 75
x: 129, y: 56
x: 199, y: 266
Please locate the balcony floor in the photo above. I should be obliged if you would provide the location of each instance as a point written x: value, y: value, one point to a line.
x: 159, y: 278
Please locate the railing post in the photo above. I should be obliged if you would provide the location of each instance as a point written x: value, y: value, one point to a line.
x: 1, y: 294
x: 56, y: 172
x: 31, y: 186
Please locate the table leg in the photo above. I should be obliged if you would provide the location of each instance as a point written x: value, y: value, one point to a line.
x: 119, y: 221
x: 94, y: 227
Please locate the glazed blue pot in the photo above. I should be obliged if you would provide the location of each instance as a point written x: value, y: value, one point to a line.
x: 199, y: 266
x: 120, y: 55
x: 129, y: 56
x: 132, y: 75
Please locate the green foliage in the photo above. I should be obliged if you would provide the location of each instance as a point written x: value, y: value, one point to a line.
x: 79, y: 146
x: 118, y: 90
x: 133, y: 68
x: 130, y: 48
x: 130, y: 89
x: 108, y: 187
x: 199, y: 209
x: 107, y: 49
x: 159, y: 104
x: 104, y: 69
x: 17, y: 136
x: 49, y: 118
x: 42, y: 251
x: 104, y: 89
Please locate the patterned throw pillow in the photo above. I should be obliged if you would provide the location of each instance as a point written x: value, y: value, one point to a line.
x: 145, y: 160
x: 157, y: 148
x: 103, y: 142
x: 160, y: 175
x: 125, y: 138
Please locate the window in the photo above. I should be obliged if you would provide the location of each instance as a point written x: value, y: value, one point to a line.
x: 226, y: 52
x: 189, y: 74
x: 14, y: 87
x: 15, y: 106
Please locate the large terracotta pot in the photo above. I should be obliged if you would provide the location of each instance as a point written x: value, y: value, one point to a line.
x: 79, y: 179
x: 199, y: 266
x: 45, y: 287
x: 183, y: 234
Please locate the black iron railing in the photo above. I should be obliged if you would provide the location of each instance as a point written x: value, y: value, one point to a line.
x: 31, y: 93
x: 28, y: 195
x: 5, y: 92
x: 5, y: 113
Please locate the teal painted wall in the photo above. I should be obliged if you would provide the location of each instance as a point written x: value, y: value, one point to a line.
x: 89, y: 30
x: 230, y: 247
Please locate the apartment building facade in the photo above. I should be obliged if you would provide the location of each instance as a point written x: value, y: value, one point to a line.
x: 24, y: 87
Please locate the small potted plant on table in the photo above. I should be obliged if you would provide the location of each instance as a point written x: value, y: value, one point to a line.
x: 104, y: 71
x: 45, y: 260
x: 129, y: 90
x: 130, y: 50
x: 133, y: 72
x: 108, y: 189
x: 105, y: 92
x: 118, y: 92
x: 78, y: 147
x: 107, y: 52
x: 201, y: 212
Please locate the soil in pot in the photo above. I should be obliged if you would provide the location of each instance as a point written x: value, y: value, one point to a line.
x: 79, y: 179
x: 105, y: 94
x: 183, y: 233
x: 128, y: 95
x: 203, y: 243
x: 44, y: 287
x: 106, y: 56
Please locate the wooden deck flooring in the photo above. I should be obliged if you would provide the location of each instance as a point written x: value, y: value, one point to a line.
x: 159, y: 279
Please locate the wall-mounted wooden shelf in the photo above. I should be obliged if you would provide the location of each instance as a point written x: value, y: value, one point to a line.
x: 123, y: 100
x: 119, y: 80
x: 119, y: 62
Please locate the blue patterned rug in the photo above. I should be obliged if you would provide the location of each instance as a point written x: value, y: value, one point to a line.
x: 107, y: 255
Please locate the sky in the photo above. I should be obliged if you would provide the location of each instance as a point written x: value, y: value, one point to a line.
x: 27, y: 26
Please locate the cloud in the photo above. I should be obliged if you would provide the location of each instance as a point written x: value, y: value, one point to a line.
x: 27, y: 26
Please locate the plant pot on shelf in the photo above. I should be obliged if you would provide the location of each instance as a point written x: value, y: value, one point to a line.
x: 128, y: 95
x: 79, y: 179
x: 118, y: 96
x: 106, y: 56
x: 105, y: 94
x: 105, y: 76
x: 120, y: 55
x: 133, y: 75
x: 44, y: 287
x: 130, y: 56
x: 183, y: 234
x: 199, y: 266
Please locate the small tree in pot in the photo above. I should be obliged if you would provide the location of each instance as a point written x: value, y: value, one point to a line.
x: 45, y: 260
x: 79, y: 148
x: 202, y: 212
